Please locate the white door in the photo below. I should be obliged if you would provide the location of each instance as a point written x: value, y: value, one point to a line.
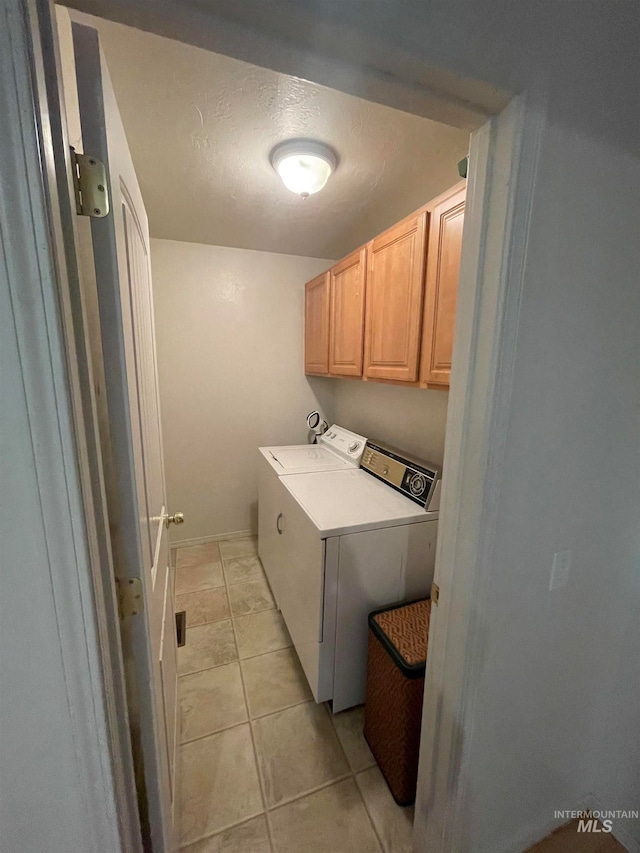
x: 135, y: 483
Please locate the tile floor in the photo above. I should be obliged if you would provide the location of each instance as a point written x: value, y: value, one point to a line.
x: 263, y: 769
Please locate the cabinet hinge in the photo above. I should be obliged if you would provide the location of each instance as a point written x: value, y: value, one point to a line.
x: 130, y: 598
x: 435, y: 593
x: 90, y: 185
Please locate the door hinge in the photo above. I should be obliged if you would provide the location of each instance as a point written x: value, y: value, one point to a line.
x: 90, y: 185
x: 435, y: 593
x: 130, y: 598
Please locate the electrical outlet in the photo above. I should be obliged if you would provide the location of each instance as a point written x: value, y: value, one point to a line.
x: 560, y: 569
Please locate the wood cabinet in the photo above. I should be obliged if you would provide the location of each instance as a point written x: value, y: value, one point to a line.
x: 441, y: 288
x: 393, y: 316
x: 316, y: 325
x: 346, y: 315
x: 386, y: 312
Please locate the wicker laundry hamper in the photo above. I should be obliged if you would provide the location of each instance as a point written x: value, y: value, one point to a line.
x: 395, y: 684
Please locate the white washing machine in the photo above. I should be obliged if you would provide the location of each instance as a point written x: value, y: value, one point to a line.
x: 337, y: 544
x: 338, y: 449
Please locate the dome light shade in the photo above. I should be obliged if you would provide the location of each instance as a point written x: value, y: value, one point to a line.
x: 304, y: 165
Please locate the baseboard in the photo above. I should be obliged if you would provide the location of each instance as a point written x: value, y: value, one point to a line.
x: 217, y: 537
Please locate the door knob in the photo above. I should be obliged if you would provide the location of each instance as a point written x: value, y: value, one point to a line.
x: 177, y: 518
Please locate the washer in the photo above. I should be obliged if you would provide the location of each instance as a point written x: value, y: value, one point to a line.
x: 337, y: 449
x: 338, y: 544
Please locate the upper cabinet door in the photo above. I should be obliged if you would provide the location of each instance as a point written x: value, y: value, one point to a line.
x: 346, y: 318
x: 443, y: 272
x: 395, y: 279
x: 316, y: 325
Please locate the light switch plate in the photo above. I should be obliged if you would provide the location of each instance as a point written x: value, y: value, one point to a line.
x: 560, y: 569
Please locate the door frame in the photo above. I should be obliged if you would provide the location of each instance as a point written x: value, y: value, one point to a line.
x: 89, y: 626
x: 504, y: 154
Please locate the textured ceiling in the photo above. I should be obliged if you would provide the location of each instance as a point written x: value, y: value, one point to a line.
x: 201, y: 126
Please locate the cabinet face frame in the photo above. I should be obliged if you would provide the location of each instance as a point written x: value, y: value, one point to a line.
x: 316, y: 325
x: 346, y: 314
x: 440, y: 289
x: 405, y: 335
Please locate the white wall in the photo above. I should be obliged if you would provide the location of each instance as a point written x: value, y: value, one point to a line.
x: 42, y: 807
x: 555, y: 716
x: 229, y: 335
x: 412, y: 419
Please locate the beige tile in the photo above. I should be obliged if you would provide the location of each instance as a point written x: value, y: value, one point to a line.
x: 196, y: 578
x: 243, y: 569
x: 198, y: 555
x: 207, y: 646
x: 274, y: 681
x: 260, y: 633
x: 208, y: 605
x: 297, y: 751
x: 393, y: 823
x: 249, y: 837
x: 211, y: 700
x: 250, y: 597
x: 239, y: 547
x: 332, y: 820
x: 219, y: 783
x: 349, y: 725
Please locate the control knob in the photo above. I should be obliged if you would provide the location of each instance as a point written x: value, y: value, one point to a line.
x: 354, y: 446
x: 418, y: 484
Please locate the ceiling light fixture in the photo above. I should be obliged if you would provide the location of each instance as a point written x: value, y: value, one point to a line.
x: 304, y: 165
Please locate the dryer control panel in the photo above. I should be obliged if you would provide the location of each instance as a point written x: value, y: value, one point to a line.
x: 412, y: 477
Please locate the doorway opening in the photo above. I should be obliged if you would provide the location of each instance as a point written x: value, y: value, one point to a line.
x: 226, y: 315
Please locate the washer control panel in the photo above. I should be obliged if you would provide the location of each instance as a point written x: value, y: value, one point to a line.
x: 345, y: 443
x: 415, y: 479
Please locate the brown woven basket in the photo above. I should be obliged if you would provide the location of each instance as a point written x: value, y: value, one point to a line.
x: 395, y: 684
